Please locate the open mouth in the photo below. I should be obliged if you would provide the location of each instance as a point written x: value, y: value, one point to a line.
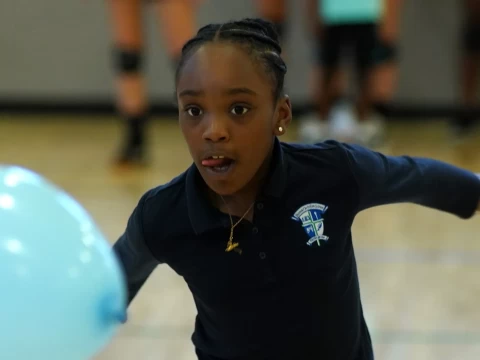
x: 218, y: 163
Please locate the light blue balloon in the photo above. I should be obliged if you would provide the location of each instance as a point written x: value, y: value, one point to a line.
x: 62, y: 291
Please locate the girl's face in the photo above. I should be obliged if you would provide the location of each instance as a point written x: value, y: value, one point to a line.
x: 228, y: 115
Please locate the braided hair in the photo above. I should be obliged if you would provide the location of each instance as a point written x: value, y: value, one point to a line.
x: 257, y: 36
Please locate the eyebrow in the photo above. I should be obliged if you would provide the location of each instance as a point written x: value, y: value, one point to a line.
x: 232, y: 91
x: 241, y: 90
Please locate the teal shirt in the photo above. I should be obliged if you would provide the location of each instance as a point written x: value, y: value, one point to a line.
x: 350, y: 11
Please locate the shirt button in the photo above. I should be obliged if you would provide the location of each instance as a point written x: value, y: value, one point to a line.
x: 262, y: 255
x: 255, y: 230
x: 260, y: 206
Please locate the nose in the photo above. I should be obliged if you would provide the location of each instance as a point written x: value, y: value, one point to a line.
x: 216, y: 130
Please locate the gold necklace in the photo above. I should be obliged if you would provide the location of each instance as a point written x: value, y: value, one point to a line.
x: 231, y: 245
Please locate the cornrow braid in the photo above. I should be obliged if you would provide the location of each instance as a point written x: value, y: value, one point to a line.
x: 258, y: 35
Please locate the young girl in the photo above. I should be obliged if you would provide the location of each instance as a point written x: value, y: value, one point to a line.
x: 259, y: 229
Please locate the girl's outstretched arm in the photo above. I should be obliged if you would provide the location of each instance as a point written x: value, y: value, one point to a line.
x: 383, y: 180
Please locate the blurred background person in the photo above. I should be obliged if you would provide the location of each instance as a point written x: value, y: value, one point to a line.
x: 366, y: 31
x: 176, y: 20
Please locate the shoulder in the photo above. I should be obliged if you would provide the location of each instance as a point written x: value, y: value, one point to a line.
x: 160, y: 196
x: 329, y: 155
x: 321, y: 173
x: 164, y: 208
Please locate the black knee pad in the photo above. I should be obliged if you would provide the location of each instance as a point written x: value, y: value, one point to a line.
x: 128, y: 61
x: 384, y: 52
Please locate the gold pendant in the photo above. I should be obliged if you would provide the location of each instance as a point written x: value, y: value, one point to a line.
x: 231, y: 246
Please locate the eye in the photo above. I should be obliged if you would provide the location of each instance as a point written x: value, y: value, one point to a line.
x: 239, y: 110
x: 194, y: 111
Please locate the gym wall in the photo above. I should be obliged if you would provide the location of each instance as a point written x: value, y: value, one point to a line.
x: 59, y: 51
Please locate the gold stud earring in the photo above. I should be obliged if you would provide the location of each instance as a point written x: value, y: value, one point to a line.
x: 280, y: 129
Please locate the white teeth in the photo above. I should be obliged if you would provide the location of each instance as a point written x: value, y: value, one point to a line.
x: 218, y: 157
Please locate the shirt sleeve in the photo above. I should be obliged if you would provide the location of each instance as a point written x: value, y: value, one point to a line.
x: 134, y: 255
x: 385, y: 180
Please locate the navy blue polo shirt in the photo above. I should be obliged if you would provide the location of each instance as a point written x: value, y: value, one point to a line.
x: 293, y: 292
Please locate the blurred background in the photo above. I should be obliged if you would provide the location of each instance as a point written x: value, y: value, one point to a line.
x: 57, y: 55
x: 72, y: 89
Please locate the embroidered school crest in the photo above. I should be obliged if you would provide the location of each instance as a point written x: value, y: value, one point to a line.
x: 311, y: 217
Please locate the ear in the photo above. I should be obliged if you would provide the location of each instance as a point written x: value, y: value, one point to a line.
x: 283, y: 116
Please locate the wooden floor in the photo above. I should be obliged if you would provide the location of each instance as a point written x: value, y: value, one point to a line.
x: 419, y: 269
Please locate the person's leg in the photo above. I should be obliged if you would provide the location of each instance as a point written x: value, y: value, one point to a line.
x: 131, y: 94
x: 365, y: 41
x: 327, y: 77
x: 469, y: 77
x: 385, y: 73
x: 274, y: 11
x: 469, y: 65
x: 177, y: 22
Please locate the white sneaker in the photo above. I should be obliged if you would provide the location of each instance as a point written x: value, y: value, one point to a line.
x: 372, y: 131
x: 313, y: 130
x: 343, y: 123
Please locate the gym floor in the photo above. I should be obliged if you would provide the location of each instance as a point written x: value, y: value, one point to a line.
x: 419, y: 268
